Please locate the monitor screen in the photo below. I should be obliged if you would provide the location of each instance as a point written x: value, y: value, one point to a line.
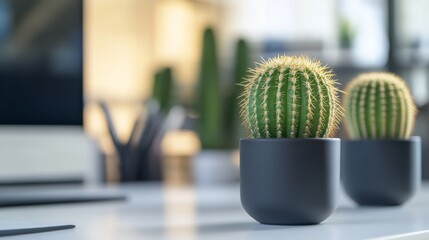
x: 41, y: 62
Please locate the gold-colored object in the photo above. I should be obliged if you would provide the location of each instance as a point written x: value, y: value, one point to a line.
x: 179, y: 148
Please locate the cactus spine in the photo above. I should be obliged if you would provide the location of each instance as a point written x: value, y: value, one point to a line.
x: 209, y: 94
x: 291, y: 97
x: 379, y: 105
x: 162, y: 88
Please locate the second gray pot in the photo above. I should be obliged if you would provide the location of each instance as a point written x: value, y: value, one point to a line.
x: 381, y: 172
x: 289, y: 181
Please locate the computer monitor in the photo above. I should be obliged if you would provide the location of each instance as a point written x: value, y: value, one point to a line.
x: 41, y: 62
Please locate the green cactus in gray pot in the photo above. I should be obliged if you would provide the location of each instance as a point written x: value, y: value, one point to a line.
x: 210, y: 100
x: 291, y: 97
x: 379, y: 106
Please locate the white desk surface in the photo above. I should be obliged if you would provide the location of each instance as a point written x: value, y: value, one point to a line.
x: 156, y: 212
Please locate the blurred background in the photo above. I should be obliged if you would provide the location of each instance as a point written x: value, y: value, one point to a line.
x: 107, y: 91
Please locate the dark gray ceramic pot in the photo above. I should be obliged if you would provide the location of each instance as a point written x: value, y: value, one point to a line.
x: 289, y: 181
x: 381, y: 172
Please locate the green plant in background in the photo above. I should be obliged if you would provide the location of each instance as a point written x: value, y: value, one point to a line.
x: 379, y: 105
x: 210, y: 99
x: 242, y: 64
x: 347, y: 32
x: 162, y: 88
x: 291, y: 97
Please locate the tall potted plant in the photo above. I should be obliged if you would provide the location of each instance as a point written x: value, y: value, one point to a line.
x: 212, y: 164
x: 290, y: 164
x: 382, y: 163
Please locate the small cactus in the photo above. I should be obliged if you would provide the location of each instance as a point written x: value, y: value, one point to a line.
x: 232, y: 116
x: 162, y: 88
x: 379, y: 105
x: 291, y: 97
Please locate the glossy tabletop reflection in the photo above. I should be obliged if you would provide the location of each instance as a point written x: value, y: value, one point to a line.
x: 155, y: 211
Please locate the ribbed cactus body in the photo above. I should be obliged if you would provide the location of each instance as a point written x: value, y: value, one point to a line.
x: 291, y: 97
x: 379, y: 105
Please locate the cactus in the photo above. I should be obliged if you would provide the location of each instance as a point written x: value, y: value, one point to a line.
x: 347, y: 33
x: 162, y: 88
x: 291, y: 97
x: 242, y: 63
x: 379, y: 105
x: 209, y: 95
